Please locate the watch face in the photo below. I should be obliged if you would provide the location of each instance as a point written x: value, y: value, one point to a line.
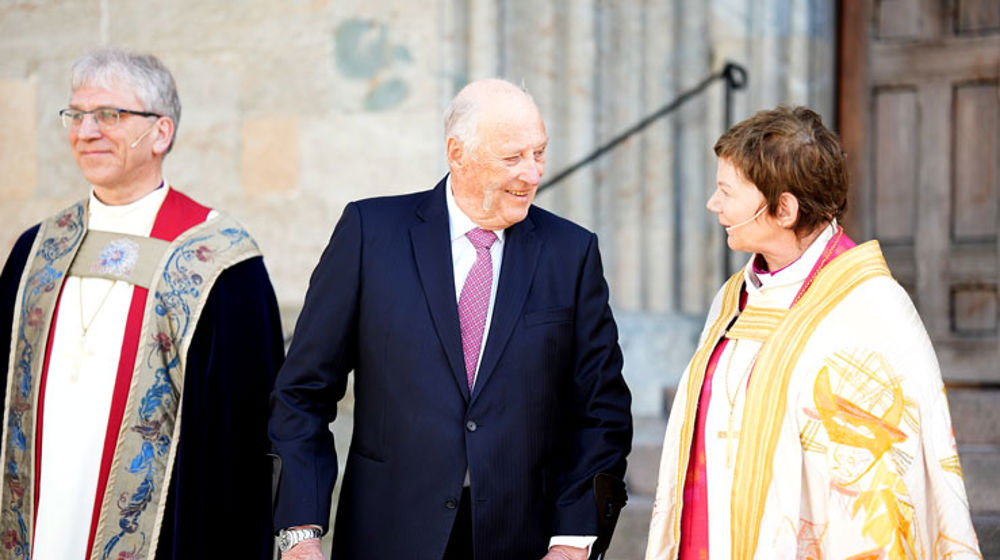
x: 283, y: 544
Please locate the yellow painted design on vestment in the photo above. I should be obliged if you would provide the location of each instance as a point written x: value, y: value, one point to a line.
x: 807, y: 438
x: 868, y: 555
x: 888, y: 516
x: 947, y: 548
x: 952, y: 465
x: 865, y: 417
x: 851, y: 425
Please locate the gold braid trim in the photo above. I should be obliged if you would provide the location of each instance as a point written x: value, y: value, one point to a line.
x: 756, y: 323
x: 696, y: 376
x: 767, y: 393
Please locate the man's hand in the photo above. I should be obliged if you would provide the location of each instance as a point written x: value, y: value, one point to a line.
x: 308, y: 549
x: 563, y: 552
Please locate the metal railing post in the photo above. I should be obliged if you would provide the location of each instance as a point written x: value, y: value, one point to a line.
x: 736, y: 78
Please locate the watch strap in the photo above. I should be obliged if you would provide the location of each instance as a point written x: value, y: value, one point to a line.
x: 287, y: 538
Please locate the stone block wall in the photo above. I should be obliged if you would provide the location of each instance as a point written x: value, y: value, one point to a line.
x: 291, y: 109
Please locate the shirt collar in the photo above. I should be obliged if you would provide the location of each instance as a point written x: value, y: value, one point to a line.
x: 458, y: 222
x: 793, y: 273
x: 135, y: 217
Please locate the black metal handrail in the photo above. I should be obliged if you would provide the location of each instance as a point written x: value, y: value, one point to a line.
x: 735, y: 77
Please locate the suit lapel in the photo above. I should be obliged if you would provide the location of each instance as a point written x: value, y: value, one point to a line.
x: 432, y: 252
x: 520, y: 257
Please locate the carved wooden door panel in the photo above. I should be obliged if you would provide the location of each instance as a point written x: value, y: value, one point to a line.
x: 919, y: 113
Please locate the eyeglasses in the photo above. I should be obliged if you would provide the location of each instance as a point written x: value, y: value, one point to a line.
x: 106, y: 117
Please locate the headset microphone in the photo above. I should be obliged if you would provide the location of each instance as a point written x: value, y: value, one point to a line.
x: 141, y: 136
x: 747, y: 221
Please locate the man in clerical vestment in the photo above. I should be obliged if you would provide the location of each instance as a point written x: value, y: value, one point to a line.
x: 143, y: 342
x: 812, y: 421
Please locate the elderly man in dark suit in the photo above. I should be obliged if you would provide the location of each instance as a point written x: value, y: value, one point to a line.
x: 488, y: 387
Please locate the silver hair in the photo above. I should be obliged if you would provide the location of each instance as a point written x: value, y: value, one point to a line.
x: 461, y: 119
x: 144, y: 74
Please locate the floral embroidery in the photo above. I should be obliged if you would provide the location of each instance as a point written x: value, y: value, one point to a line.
x: 203, y: 253
x: 163, y: 343
x: 117, y: 258
x: 176, y: 297
x: 35, y: 317
x: 9, y: 539
x: 16, y: 488
x: 46, y: 274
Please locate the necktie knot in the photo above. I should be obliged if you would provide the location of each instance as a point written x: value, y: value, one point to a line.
x: 481, y: 238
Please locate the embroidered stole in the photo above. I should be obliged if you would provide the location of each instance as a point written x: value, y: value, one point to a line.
x: 767, y: 395
x: 144, y: 419
x: 784, y: 333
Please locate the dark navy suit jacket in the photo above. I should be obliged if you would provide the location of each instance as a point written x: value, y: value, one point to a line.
x: 549, y: 410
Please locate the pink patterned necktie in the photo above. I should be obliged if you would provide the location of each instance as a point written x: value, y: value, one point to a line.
x: 475, y: 300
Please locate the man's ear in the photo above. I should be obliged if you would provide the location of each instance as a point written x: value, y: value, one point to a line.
x: 164, y: 135
x: 788, y: 210
x: 454, y: 151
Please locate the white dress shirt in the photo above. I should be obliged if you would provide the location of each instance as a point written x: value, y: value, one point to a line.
x: 463, y: 256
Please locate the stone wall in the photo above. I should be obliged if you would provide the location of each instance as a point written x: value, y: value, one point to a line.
x: 294, y: 108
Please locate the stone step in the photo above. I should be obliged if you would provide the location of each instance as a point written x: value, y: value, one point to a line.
x: 988, y: 531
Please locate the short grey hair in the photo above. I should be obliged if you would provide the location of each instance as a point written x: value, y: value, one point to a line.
x: 144, y: 74
x: 461, y: 119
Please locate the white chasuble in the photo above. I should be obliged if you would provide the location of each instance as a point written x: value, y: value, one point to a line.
x: 827, y: 434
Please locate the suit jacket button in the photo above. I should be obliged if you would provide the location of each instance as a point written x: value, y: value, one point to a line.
x: 471, y: 426
x: 451, y: 504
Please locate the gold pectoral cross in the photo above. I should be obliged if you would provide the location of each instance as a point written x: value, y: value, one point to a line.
x: 731, y: 435
x: 80, y: 354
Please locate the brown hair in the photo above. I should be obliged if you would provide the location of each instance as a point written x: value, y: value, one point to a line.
x: 788, y: 149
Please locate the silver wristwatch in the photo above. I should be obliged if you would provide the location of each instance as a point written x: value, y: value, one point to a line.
x: 287, y: 538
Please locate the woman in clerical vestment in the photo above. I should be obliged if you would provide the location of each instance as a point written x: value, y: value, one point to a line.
x: 812, y: 420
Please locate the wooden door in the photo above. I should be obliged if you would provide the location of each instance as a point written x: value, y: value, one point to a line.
x: 919, y: 113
